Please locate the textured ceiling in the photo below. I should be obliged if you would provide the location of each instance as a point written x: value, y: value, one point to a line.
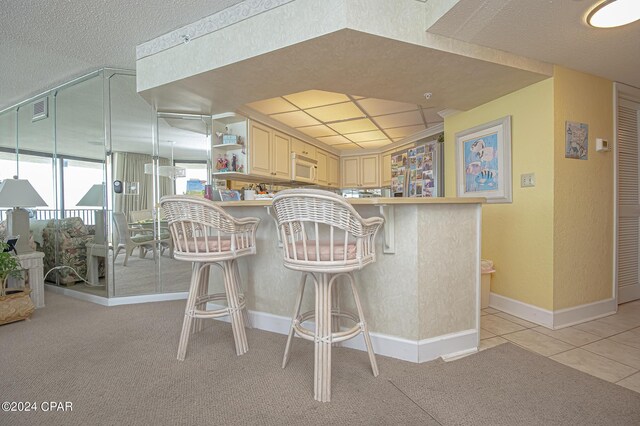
x: 45, y: 43
x: 552, y: 31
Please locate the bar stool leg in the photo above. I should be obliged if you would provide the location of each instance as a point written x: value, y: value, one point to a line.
x: 235, y: 314
x: 363, y: 326
x: 287, y: 348
x: 245, y: 310
x: 203, y: 290
x: 335, y: 310
x: 322, y: 362
x: 188, y: 312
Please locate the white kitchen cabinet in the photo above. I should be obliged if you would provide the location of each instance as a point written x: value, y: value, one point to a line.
x: 303, y: 148
x: 260, y: 149
x: 323, y: 168
x: 361, y: 171
x: 269, y: 152
x: 333, y: 171
x: 280, y: 155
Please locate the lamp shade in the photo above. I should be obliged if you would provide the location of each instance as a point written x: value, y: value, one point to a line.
x: 94, y: 196
x: 19, y: 193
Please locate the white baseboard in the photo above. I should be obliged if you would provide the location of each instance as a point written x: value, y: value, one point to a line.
x: 553, y: 319
x: 115, y: 301
x: 448, y: 345
x: 578, y: 314
x: 77, y: 294
x: 522, y: 310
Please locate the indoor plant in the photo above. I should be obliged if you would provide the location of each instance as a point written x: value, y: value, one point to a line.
x: 15, y: 304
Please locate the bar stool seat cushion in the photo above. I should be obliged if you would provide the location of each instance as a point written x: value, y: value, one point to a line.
x: 325, y: 250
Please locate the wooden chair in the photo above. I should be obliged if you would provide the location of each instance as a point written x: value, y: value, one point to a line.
x: 206, y: 235
x: 325, y: 238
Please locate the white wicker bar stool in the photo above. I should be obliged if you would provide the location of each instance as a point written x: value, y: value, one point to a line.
x: 325, y: 238
x: 206, y: 235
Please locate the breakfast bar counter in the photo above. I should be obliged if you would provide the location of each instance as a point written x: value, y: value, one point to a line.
x: 421, y: 297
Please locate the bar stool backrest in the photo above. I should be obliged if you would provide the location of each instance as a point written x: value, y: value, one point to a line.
x: 203, y: 231
x: 321, y: 231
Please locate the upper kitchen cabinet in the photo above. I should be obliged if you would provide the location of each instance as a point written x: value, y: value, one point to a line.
x: 361, y: 171
x: 328, y: 169
x: 303, y: 148
x: 323, y: 168
x: 333, y: 171
x: 269, y: 152
x: 280, y: 155
x: 260, y: 149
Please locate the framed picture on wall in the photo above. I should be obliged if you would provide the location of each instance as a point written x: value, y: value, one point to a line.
x: 483, y: 161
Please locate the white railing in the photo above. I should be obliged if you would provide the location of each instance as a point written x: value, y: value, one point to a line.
x: 87, y: 215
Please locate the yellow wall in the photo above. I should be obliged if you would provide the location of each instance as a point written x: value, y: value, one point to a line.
x: 518, y: 237
x: 583, y: 193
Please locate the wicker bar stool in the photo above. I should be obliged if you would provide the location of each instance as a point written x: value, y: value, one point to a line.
x: 206, y: 235
x: 325, y: 238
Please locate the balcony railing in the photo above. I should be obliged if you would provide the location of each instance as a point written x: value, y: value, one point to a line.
x: 87, y: 215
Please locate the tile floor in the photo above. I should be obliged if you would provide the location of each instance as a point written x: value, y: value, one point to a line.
x: 608, y: 348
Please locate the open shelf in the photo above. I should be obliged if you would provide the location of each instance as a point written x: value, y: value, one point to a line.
x: 228, y: 146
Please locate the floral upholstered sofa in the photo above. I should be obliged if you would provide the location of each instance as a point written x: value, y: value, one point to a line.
x: 70, y: 246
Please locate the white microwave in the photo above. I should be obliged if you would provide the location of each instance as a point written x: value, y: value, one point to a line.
x: 303, y: 169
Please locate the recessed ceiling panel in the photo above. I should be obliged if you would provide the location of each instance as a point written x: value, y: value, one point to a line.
x: 295, y: 119
x: 272, y: 106
x: 402, y: 132
x: 354, y: 126
x: 334, y: 140
x: 367, y: 136
x: 315, y: 98
x: 343, y: 111
x: 399, y: 120
x: 380, y: 106
x: 317, y: 131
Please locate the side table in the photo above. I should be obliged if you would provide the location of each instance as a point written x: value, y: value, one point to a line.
x: 32, y: 263
x: 94, y: 253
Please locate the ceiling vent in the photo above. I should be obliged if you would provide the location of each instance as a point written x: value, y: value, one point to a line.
x: 40, y: 110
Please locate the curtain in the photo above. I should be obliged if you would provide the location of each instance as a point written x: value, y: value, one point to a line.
x: 129, y: 167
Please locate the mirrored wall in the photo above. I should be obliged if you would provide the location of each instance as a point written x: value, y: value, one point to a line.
x: 102, y: 158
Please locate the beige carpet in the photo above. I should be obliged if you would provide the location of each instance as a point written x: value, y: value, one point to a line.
x: 117, y: 366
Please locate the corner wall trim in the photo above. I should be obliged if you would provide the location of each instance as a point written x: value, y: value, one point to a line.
x: 554, y: 319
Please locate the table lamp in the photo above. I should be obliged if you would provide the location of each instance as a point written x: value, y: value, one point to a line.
x: 95, y: 198
x: 19, y: 193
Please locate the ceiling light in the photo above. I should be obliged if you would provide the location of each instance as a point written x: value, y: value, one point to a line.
x: 614, y: 13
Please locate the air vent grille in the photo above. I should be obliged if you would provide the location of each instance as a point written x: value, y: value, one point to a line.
x: 40, y: 110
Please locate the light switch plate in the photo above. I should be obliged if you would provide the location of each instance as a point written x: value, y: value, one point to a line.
x: 527, y: 180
